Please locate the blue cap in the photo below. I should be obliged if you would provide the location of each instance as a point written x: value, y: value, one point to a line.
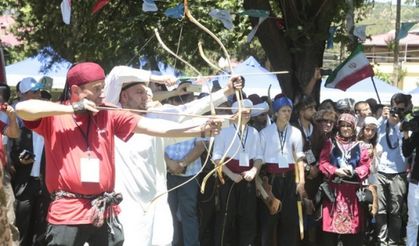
x: 281, y: 102
x: 29, y: 84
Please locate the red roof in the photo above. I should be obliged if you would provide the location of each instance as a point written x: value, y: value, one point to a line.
x: 383, y: 39
x: 6, y: 36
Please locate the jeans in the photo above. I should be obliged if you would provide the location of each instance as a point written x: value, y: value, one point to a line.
x: 184, y: 201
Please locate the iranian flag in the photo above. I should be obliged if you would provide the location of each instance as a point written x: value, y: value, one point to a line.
x: 354, y: 69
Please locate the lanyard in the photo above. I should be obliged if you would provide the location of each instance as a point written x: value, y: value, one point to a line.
x: 307, y: 134
x: 85, y: 135
x: 391, y: 146
x: 282, y: 138
x: 243, y: 143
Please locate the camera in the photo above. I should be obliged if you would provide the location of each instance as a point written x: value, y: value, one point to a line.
x: 397, y: 111
x: 412, y: 124
x: 26, y: 154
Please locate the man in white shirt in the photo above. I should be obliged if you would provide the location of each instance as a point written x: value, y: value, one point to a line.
x: 140, y: 165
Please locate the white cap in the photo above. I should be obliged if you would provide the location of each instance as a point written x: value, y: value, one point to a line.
x: 259, y: 109
x: 29, y: 84
x: 246, y: 104
x: 369, y: 120
x: 120, y: 75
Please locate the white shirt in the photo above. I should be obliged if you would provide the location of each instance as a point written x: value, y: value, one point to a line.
x: 271, y: 146
x: 141, y: 176
x: 38, y: 149
x: 250, y: 140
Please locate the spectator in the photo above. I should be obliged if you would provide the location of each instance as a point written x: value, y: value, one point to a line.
x: 282, y: 151
x: 392, y: 177
x: 237, y: 216
x: 345, y: 165
x: 409, y: 144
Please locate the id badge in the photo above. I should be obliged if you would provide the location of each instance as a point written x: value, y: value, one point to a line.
x: 310, y: 157
x: 244, y: 159
x: 89, y: 170
x: 282, y: 161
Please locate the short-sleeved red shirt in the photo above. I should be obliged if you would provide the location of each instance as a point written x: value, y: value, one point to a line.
x: 65, y: 145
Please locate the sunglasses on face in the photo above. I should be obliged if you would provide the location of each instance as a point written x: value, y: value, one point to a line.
x: 345, y: 125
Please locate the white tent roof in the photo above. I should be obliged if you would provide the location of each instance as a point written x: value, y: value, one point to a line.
x: 361, y: 91
x: 259, y: 82
x: 415, y: 96
x: 31, y: 67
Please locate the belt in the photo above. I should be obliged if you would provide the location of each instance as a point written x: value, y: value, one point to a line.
x: 282, y: 175
x: 413, y: 181
x: 391, y: 174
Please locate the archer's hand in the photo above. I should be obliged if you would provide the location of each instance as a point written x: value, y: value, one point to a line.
x: 212, y: 127
x: 234, y: 83
x: 235, y: 177
x: 167, y: 80
x: 83, y: 106
x: 182, y: 89
x: 250, y: 174
x: 301, y: 191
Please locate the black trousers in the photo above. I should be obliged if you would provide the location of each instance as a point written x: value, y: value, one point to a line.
x: 31, y: 207
x: 77, y: 235
x: 236, y: 221
x: 208, y: 206
x: 282, y: 227
x: 332, y: 239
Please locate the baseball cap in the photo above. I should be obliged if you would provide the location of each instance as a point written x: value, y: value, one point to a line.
x: 29, y: 84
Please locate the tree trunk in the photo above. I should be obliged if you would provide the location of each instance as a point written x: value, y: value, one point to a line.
x: 299, y: 46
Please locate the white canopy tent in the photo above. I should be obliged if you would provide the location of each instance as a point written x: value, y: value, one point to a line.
x: 257, y: 78
x: 415, y: 96
x: 361, y: 91
x: 31, y: 67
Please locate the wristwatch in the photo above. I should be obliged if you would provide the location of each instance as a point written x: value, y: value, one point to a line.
x: 182, y: 164
x: 307, y: 168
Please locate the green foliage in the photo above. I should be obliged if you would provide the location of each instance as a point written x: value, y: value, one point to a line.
x: 119, y: 33
x: 381, y: 17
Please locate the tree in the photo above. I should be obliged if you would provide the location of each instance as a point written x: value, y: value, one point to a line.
x: 293, y: 39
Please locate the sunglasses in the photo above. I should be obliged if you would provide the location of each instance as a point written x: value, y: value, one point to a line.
x: 345, y: 125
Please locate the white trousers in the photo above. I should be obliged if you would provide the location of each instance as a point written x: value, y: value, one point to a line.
x: 413, y: 212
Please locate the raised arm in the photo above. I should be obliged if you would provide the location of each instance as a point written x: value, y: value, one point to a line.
x: 12, y: 129
x: 33, y: 109
x: 164, y: 128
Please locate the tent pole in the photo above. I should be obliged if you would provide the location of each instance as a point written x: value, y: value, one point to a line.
x: 375, y: 88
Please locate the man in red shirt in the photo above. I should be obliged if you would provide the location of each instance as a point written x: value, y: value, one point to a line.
x: 79, y: 149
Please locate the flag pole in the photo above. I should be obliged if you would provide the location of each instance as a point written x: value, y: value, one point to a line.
x: 375, y: 88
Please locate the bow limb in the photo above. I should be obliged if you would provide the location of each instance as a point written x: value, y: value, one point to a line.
x: 173, y: 53
x: 205, y: 58
x: 238, y: 93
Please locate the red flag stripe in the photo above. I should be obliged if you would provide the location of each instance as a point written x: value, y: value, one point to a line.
x: 354, y: 78
x: 99, y: 5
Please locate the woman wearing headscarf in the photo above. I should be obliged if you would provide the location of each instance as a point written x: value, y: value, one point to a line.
x: 345, y: 164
